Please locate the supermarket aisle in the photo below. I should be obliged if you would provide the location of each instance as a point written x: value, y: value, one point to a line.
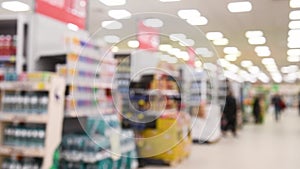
x: 271, y: 145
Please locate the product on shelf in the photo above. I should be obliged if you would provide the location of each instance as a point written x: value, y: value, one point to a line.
x: 25, y: 163
x: 31, y: 115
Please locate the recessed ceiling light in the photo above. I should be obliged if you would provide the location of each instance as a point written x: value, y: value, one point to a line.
x: 204, y: 52
x: 263, y: 77
x: 133, y: 44
x: 291, y: 52
x: 294, y: 25
x: 294, y: 33
x: 259, y: 49
x: 187, y: 42
x: 253, y: 34
x: 111, y: 39
x: 169, y: 0
x: 153, y: 22
x: 272, y: 68
x: 113, y: 2
x: 257, y: 41
x: 214, y: 35
x: 174, y: 51
x: 277, y: 77
x: 235, y: 7
x: 198, y: 63
x: 183, y: 55
x: 197, y: 21
x: 267, y: 61
x: 233, y: 68
x: 115, y: 49
x: 119, y: 14
x: 294, y: 44
x: 231, y: 58
x: 293, y: 39
x: 294, y: 15
x: 15, y: 6
x: 111, y: 25
x: 188, y: 13
x: 246, y: 63
x: 294, y: 3
x: 73, y: 27
x: 293, y: 58
x: 221, y: 42
x: 231, y: 50
x: 165, y: 47
x: 254, y: 70
x: 177, y: 37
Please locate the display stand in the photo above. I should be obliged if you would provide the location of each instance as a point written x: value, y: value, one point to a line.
x: 52, y: 119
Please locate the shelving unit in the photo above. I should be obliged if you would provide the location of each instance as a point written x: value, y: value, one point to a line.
x: 13, y: 54
x: 52, y: 119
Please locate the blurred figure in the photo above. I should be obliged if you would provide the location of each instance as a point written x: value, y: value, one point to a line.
x: 279, y: 105
x: 256, y: 109
x: 299, y: 102
x: 230, y: 114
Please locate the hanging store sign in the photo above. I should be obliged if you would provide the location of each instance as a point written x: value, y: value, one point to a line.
x: 148, y: 37
x: 68, y: 11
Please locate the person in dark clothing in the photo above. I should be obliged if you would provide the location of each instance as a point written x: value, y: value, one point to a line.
x: 299, y: 103
x: 276, y: 101
x: 256, y: 109
x: 230, y: 113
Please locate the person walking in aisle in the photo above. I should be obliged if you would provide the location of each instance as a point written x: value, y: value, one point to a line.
x: 230, y: 113
x: 278, y: 106
x: 256, y: 109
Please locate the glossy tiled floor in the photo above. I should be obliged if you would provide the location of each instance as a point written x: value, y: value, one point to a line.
x: 269, y: 146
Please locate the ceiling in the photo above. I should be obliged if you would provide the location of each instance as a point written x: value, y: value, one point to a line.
x: 269, y: 16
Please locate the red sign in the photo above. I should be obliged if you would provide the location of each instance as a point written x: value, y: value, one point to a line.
x: 191, y: 53
x: 148, y: 37
x: 68, y: 11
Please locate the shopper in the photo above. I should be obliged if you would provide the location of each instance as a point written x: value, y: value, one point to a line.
x: 299, y: 103
x: 230, y: 114
x: 279, y: 105
x: 256, y: 109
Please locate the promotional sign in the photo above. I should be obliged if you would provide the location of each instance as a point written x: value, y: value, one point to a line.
x: 68, y: 11
x: 192, y: 54
x: 148, y: 37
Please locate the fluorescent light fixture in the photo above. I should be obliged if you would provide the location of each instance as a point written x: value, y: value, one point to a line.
x: 254, y: 34
x: 223, y: 63
x: 291, y: 52
x: 72, y: 27
x: 111, y: 25
x: 257, y: 41
x: 165, y: 47
x: 15, y: 6
x: 119, y: 14
x: 169, y: 0
x: 111, y: 39
x: 277, y: 77
x: 231, y: 50
x: 294, y: 25
x: 214, y: 35
x: 246, y: 63
x: 294, y: 33
x: 177, y: 37
x: 182, y: 54
x: 294, y: 15
x: 235, y: 7
x: 187, y: 42
x: 263, y: 77
x: 263, y: 51
x: 113, y: 2
x: 174, y: 51
x: 198, y: 63
x: 293, y: 39
x: 294, y: 44
x: 204, y: 52
x: 233, y: 68
x: 133, y: 44
x: 115, y: 49
x: 268, y: 61
x: 197, y: 21
x: 153, y: 22
x: 186, y: 57
x: 231, y: 58
x: 295, y: 59
x: 294, y: 3
x: 254, y: 70
x: 188, y: 13
x: 221, y: 42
